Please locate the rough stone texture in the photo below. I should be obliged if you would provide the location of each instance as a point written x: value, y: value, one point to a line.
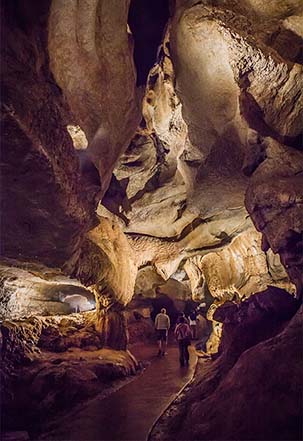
x: 240, y: 269
x: 36, y: 290
x: 148, y: 280
x: 108, y: 264
x: 142, y: 330
x: 23, y: 339
x: 51, y: 364
x: 237, y: 74
x: 108, y: 261
x: 46, y: 215
x: 186, y: 157
x: 59, y: 382
x: 274, y: 200
x: 48, y: 193
x: 254, y: 320
x: 264, y: 406
x: 222, y: 116
x: 90, y: 45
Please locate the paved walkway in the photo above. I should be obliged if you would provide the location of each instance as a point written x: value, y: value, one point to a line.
x: 129, y: 413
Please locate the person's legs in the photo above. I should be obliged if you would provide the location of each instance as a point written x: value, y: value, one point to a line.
x: 159, y: 338
x: 161, y: 341
x: 193, y: 331
x: 164, y: 344
x: 186, y: 353
x: 160, y: 346
x: 181, y: 353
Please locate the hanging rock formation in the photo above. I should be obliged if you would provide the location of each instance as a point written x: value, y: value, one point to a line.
x: 89, y: 45
x: 240, y: 269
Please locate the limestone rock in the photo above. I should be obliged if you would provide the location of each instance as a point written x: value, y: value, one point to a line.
x: 31, y: 289
x: 89, y: 45
x: 108, y: 262
x: 59, y: 383
x: 257, y: 417
x: 274, y: 200
x: 253, y: 320
x: 240, y: 269
x: 44, y: 213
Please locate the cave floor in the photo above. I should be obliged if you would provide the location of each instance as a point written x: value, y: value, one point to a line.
x: 130, y: 412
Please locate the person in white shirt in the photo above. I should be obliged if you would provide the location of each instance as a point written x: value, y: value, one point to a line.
x: 162, y: 325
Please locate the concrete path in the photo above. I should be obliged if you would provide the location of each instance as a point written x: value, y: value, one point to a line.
x: 129, y: 413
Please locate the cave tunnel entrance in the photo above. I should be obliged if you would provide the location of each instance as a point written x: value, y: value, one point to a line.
x: 78, y: 303
x: 163, y: 301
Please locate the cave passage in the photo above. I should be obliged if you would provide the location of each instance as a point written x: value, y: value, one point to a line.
x: 151, y: 159
x: 137, y: 405
x: 79, y: 303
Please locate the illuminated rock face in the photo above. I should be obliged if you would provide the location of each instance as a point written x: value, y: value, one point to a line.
x: 240, y: 269
x: 255, y: 393
x: 187, y: 170
x: 239, y: 77
x: 216, y: 122
x: 108, y: 264
x: 37, y: 290
x: 89, y: 44
x: 214, y: 150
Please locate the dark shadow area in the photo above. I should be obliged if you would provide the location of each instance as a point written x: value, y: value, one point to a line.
x: 288, y: 44
x: 254, y: 116
x: 147, y: 20
x: 163, y: 301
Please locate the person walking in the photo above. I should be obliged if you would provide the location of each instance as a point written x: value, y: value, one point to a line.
x: 193, y: 324
x: 162, y: 325
x: 183, y: 335
x: 181, y: 314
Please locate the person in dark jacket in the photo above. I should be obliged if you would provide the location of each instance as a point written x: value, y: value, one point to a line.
x: 183, y: 335
x: 181, y: 314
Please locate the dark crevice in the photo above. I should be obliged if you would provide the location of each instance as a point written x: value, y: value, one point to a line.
x: 147, y: 20
x: 153, y: 182
x: 254, y: 115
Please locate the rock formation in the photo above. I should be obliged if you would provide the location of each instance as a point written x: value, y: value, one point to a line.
x: 143, y: 144
x: 108, y: 96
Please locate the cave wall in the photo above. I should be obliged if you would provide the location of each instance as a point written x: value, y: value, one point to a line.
x: 243, y: 107
x: 210, y: 130
x: 44, y: 213
x: 91, y: 39
x: 220, y: 140
x: 241, y: 268
x: 49, y: 190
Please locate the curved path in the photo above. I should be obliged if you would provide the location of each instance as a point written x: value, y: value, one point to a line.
x: 129, y: 413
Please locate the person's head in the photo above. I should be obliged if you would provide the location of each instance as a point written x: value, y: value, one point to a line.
x: 182, y: 319
x: 163, y: 310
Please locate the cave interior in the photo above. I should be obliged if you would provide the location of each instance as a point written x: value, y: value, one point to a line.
x: 151, y: 157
